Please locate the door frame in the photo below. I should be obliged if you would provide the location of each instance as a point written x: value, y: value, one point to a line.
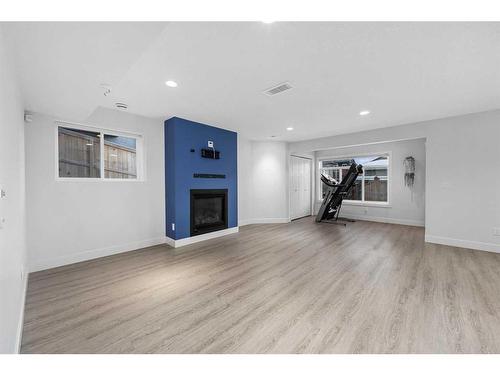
x: 290, y: 185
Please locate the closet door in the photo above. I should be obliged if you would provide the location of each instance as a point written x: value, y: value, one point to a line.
x: 306, y: 188
x: 300, y: 187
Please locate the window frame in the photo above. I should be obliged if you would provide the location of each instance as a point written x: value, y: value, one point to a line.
x: 388, y: 154
x: 140, y: 152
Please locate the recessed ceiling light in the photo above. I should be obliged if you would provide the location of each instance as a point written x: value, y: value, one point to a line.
x: 268, y: 21
x: 171, y: 84
x: 364, y: 113
x: 289, y: 128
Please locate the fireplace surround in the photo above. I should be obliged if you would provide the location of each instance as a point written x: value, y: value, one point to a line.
x: 186, y: 170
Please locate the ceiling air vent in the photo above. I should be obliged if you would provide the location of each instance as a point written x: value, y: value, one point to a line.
x: 121, y: 105
x: 277, y: 89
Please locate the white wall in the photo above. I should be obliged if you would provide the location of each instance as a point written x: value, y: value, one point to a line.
x: 244, y: 180
x: 462, y: 202
x: 270, y: 181
x: 74, y: 221
x: 263, y: 182
x: 463, y: 181
x: 407, y: 206
x: 12, y: 206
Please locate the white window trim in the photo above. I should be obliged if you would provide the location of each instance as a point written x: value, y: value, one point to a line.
x: 140, y: 153
x: 354, y: 155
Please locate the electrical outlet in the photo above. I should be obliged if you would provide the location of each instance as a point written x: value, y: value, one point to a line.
x: 173, y: 226
x: 211, y: 144
x: 496, y: 231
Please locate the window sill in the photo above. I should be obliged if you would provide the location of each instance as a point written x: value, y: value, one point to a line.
x: 91, y: 179
x: 364, y: 204
x: 367, y: 204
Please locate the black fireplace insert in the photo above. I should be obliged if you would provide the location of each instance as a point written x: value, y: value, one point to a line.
x: 208, y: 210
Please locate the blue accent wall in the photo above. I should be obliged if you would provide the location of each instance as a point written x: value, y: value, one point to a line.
x: 180, y: 164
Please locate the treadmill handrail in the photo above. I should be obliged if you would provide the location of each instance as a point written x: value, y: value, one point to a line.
x: 328, y: 180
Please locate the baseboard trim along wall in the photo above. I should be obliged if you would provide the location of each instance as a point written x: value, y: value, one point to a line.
x: 475, y: 245
x: 20, y: 324
x: 44, y: 264
x: 414, y: 223
x: 202, y: 237
x: 271, y: 220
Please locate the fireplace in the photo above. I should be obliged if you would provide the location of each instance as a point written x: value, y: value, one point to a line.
x: 208, y: 210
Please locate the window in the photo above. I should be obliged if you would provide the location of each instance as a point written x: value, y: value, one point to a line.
x: 79, y: 153
x: 120, y: 157
x: 371, y: 187
x: 94, y: 154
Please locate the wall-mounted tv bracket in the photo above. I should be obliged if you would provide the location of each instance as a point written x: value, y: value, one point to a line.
x: 210, y: 154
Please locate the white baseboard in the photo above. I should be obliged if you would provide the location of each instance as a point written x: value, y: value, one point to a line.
x: 44, y: 264
x: 170, y: 241
x: 202, y: 237
x: 270, y: 220
x: 415, y: 223
x: 20, y: 324
x: 475, y: 245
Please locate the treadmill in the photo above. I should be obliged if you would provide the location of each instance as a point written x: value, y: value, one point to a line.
x: 335, y: 194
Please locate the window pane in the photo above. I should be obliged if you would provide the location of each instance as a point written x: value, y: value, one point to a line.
x: 337, y: 163
x: 376, y: 181
x: 79, y: 153
x: 355, y: 193
x: 120, y: 159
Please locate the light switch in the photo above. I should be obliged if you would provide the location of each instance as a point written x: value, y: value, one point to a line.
x: 211, y: 144
x: 2, y: 222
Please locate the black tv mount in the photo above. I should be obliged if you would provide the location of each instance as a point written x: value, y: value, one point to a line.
x: 210, y: 154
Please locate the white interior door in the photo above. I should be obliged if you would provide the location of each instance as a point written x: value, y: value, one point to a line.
x: 294, y: 190
x: 306, y: 187
x: 300, y: 187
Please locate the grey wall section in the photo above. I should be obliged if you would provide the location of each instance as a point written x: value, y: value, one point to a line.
x: 270, y: 181
x: 407, y: 206
x: 262, y: 182
x: 71, y: 221
x: 462, y: 201
x: 463, y: 181
x: 244, y: 180
x: 12, y: 206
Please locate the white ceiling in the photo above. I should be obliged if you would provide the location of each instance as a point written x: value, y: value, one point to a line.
x: 61, y: 65
x: 402, y: 72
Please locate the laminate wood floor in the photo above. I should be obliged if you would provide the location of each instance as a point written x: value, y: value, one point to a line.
x: 283, y: 288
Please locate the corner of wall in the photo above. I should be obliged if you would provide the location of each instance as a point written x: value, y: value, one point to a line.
x: 12, y: 178
x: 20, y: 325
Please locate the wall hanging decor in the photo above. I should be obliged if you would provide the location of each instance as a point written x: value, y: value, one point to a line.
x: 409, y: 164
